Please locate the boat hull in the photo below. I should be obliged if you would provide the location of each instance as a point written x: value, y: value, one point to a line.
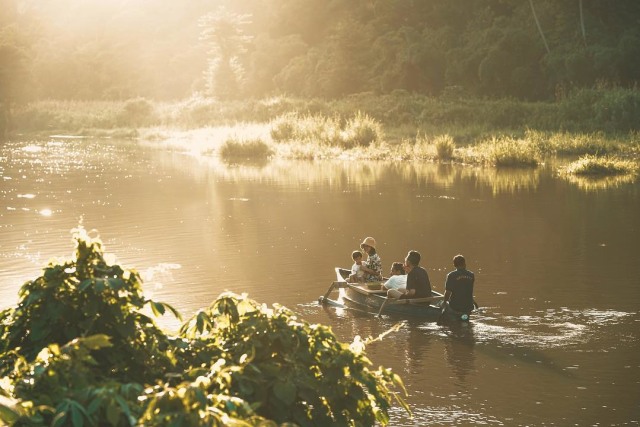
x: 372, y: 300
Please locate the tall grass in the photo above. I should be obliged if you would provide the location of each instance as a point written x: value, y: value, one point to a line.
x: 591, y: 165
x: 506, y: 151
x: 360, y: 130
x: 238, y: 149
x: 444, y: 146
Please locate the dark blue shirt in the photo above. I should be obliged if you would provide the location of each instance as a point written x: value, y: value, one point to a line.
x: 418, y: 279
x: 460, y: 283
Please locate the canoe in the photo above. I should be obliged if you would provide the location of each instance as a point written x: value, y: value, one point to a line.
x: 376, y: 300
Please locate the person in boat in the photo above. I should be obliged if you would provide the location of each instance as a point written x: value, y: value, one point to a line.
x: 398, y: 279
x: 373, y: 266
x: 458, y: 288
x: 418, y: 284
x: 357, y: 273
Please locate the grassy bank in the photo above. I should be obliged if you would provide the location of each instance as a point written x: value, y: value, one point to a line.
x: 396, y: 126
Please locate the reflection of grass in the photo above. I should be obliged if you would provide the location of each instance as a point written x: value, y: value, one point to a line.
x: 591, y: 183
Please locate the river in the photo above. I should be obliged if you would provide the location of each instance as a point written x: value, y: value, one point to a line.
x: 557, y: 262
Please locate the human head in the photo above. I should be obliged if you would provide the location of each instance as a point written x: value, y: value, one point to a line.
x: 413, y: 258
x: 459, y: 261
x: 368, y: 245
x: 356, y: 255
x: 397, y: 268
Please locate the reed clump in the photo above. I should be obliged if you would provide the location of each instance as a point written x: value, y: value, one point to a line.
x: 507, y: 151
x: 361, y: 130
x: 445, y: 146
x: 250, y: 149
x: 598, y: 166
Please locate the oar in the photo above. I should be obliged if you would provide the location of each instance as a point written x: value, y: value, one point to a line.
x: 338, y: 285
x: 382, y: 306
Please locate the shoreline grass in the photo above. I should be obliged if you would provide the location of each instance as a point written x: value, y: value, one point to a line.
x: 402, y: 126
x: 593, y: 166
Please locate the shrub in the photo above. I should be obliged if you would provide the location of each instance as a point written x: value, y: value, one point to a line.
x: 253, y: 149
x: 361, y: 131
x: 284, y: 128
x: 444, y: 146
x: 510, y: 152
x: 137, y: 112
x: 77, y: 351
x: 590, y: 165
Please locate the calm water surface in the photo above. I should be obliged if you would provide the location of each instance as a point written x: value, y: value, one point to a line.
x: 557, y: 262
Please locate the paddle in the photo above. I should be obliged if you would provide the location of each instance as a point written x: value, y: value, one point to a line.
x: 382, y: 306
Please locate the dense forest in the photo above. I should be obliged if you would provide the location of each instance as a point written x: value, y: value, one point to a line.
x: 240, y: 49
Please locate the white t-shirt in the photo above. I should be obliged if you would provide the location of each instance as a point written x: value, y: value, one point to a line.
x: 397, y: 281
x: 355, y: 269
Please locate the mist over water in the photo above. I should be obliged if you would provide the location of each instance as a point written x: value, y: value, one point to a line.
x: 554, y: 343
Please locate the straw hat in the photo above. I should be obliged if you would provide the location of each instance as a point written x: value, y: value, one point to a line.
x: 369, y: 241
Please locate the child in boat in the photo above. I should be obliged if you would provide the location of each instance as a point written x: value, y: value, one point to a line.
x: 398, y: 279
x: 373, y: 267
x: 357, y: 273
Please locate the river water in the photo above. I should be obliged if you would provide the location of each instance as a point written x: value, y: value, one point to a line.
x: 557, y: 262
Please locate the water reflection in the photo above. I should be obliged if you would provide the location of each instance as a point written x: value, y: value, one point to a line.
x: 590, y: 184
x: 557, y: 266
x: 356, y: 175
x: 460, y: 350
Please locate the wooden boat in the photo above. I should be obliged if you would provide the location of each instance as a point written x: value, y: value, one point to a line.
x: 368, y: 297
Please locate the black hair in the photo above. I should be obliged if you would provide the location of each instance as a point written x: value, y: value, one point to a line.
x: 413, y: 258
x: 459, y: 261
x: 356, y: 254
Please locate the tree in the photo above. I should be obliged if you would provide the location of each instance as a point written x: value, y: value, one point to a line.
x: 14, y: 78
x: 224, y: 35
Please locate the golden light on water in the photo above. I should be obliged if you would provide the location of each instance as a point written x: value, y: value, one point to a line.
x: 46, y: 212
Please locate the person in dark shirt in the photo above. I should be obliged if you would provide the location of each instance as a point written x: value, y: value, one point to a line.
x: 418, y: 284
x: 459, y: 287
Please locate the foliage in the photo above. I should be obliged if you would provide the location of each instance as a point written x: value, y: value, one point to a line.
x: 245, y: 149
x: 444, y: 146
x: 258, y: 48
x: 361, y: 131
x: 137, y: 112
x: 510, y: 152
x: 77, y: 350
x: 591, y: 165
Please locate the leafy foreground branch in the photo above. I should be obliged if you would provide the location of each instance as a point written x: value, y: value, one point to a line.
x: 77, y: 350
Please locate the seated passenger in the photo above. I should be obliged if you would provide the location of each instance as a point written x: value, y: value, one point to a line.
x: 418, y: 284
x: 458, y: 293
x: 373, y: 267
x: 398, y: 279
x: 357, y: 273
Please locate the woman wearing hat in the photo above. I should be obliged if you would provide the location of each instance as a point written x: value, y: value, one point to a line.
x: 373, y: 267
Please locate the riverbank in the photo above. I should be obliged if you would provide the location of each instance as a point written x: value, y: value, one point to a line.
x: 403, y: 126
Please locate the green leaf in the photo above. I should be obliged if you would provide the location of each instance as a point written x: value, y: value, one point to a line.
x: 95, y: 342
x: 285, y: 392
x: 113, y: 415
x: 157, y: 308
x: 8, y: 415
x: 76, y: 416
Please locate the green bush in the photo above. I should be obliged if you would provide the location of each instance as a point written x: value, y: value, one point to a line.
x: 253, y: 149
x: 444, y: 146
x: 137, y: 112
x: 361, y: 131
x: 590, y: 165
x: 76, y: 350
x: 510, y: 152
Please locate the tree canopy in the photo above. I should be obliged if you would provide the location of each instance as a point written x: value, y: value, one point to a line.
x: 101, y: 49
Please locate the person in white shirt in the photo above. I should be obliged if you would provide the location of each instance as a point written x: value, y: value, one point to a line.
x: 398, y: 279
x: 357, y: 273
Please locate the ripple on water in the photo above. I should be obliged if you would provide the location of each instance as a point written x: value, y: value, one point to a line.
x: 550, y: 328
